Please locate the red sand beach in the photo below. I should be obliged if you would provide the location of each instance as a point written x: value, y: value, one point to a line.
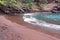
x: 12, y: 31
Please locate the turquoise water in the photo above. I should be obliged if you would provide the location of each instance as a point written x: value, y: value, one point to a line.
x: 47, y: 20
x: 50, y: 17
x: 47, y: 16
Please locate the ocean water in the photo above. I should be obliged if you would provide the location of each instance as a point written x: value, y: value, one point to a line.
x: 47, y: 16
x: 44, y: 19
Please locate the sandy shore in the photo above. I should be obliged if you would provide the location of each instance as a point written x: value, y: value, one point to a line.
x: 13, y: 31
x: 20, y: 21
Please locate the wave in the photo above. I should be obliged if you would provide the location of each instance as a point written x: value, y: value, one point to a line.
x: 28, y: 18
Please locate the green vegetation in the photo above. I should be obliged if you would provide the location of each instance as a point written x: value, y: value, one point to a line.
x: 27, y: 4
x: 43, y: 1
x: 8, y: 3
x: 58, y: 1
x: 28, y: 1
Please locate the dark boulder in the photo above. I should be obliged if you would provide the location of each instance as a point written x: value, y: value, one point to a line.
x: 55, y: 9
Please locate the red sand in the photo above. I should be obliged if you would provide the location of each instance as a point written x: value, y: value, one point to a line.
x: 13, y: 31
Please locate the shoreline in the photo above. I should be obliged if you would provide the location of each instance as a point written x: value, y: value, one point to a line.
x: 19, y: 20
x: 14, y: 31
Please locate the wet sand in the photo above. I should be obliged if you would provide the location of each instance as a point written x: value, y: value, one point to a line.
x: 10, y: 30
x: 19, y: 20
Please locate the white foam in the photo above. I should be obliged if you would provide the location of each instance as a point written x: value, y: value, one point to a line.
x: 40, y: 22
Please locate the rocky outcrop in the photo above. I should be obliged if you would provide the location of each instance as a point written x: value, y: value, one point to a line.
x: 56, y: 9
x: 49, y: 7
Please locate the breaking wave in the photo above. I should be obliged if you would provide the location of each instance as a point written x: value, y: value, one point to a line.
x: 28, y: 18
